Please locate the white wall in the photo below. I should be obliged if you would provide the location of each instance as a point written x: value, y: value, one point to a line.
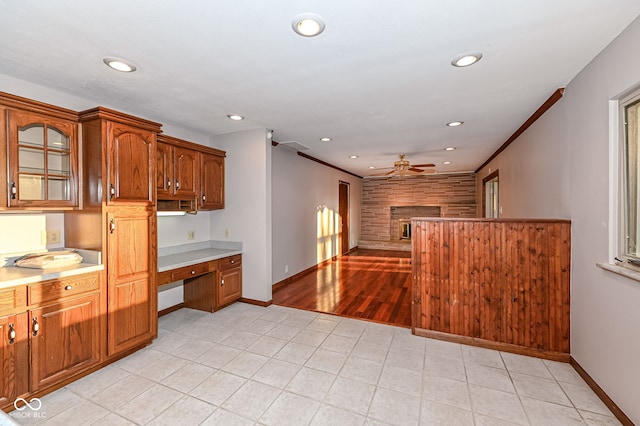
x: 300, y: 186
x: 247, y: 213
x: 534, y: 170
x: 563, y: 171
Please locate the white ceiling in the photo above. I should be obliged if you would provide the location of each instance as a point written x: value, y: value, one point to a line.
x: 378, y: 80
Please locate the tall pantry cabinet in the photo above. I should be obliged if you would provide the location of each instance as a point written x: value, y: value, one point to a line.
x: 118, y: 218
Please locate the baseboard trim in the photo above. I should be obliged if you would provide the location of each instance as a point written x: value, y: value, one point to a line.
x: 170, y: 309
x: 620, y: 415
x: 256, y: 302
x: 499, y: 346
x: 280, y: 284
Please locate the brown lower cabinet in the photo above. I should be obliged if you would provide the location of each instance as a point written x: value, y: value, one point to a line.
x: 52, y: 333
x: 67, y: 339
x: 14, y: 357
x: 230, y: 280
x: 132, y: 307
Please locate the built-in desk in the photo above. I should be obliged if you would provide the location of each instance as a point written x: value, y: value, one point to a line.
x: 211, y: 272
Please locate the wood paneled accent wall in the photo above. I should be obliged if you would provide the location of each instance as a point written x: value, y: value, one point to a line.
x: 497, y: 283
x: 455, y: 194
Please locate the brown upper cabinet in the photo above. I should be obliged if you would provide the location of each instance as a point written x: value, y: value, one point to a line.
x: 129, y: 155
x: 186, y: 171
x: 178, y: 175
x: 211, y: 182
x: 41, y: 143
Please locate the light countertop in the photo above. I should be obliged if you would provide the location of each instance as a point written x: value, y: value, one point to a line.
x: 190, y: 254
x: 12, y: 275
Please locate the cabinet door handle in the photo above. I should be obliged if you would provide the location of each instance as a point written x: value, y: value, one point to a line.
x: 233, y: 261
x: 14, y: 191
x: 112, y: 191
x: 35, y: 327
x: 193, y: 272
x: 204, y: 197
x: 68, y: 287
x: 168, y: 183
x: 112, y: 226
x: 222, y: 282
x: 12, y: 333
x: 177, y: 185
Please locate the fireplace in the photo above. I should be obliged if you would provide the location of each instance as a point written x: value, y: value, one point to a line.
x: 404, y: 229
x: 400, y: 225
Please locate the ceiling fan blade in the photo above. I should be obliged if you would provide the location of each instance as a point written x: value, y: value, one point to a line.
x: 414, y: 169
x: 423, y: 165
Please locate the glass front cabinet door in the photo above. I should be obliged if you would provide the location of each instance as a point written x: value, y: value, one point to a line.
x: 43, y: 161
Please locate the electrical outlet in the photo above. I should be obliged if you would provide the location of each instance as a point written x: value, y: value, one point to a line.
x: 286, y: 269
x: 53, y: 236
x: 226, y: 233
x: 191, y: 235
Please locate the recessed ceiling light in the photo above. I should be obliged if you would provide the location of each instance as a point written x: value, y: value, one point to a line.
x: 325, y: 139
x: 308, y: 24
x: 455, y: 123
x: 353, y: 156
x: 372, y: 167
x: 451, y: 148
x: 235, y: 117
x: 466, y: 59
x: 119, y: 64
x: 447, y: 162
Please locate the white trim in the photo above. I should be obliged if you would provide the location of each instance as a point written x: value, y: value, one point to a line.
x: 614, y: 178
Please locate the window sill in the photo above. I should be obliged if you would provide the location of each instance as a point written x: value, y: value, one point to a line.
x: 620, y: 270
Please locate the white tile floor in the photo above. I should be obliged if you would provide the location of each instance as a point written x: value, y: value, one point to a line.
x: 281, y: 366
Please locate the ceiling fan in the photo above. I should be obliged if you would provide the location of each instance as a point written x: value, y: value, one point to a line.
x: 402, y: 167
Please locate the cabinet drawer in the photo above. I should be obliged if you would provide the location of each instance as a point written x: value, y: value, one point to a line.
x: 12, y: 299
x: 230, y: 262
x: 190, y: 271
x: 48, y: 291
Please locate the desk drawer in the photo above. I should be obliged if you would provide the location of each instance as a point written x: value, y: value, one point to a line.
x: 48, y: 291
x: 230, y: 262
x: 190, y: 271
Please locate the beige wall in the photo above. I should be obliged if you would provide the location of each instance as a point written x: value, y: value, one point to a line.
x: 305, y: 207
x: 247, y: 213
x: 455, y: 194
x: 560, y: 168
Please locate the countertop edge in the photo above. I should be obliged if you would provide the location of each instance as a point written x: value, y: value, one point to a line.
x: 35, y: 275
x: 195, y: 260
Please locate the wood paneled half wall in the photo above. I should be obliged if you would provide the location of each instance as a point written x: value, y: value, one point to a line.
x: 496, y: 283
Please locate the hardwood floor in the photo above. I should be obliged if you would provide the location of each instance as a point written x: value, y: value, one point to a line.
x: 367, y: 284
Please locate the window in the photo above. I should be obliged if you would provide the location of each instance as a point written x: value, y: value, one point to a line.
x: 630, y: 189
x: 490, y: 206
